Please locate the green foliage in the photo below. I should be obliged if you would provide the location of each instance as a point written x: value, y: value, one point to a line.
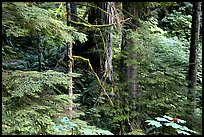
x: 31, y: 82
x: 137, y: 132
x: 87, y: 86
x: 94, y: 131
x: 31, y: 101
x: 77, y: 127
x: 67, y: 125
x: 34, y: 104
x: 178, y: 24
x: 154, y: 123
x: 161, y: 63
x: 166, y: 126
x: 161, y: 66
x: 26, y: 22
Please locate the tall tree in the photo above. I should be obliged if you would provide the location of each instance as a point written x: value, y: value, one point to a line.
x: 99, y: 14
x: 129, y: 72
x: 193, y: 58
x: 133, y: 12
x: 109, y: 52
x: 69, y: 54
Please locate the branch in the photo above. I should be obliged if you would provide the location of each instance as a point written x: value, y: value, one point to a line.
x: 80, y: 18
x: 56, y: 89
x: 90, y: 25
x: 87, y: 60
x: 93, y: 6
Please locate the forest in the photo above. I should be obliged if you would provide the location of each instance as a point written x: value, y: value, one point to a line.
x: 102, y: 68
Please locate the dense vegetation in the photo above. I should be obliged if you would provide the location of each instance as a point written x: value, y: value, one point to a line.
x: 129, y: 68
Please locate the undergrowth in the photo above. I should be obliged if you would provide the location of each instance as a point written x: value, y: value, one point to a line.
x: 35, y: 103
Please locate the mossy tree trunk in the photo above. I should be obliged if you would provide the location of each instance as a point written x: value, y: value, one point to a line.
x: 193, y: 60
x: 129, y: 71
x: 129, y: 59
x: 102, y: 13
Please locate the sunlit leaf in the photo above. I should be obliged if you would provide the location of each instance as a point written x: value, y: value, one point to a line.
x: 161, y: 119
x: 182, y: 132
x: 167, y: 117
x: 154, y: 123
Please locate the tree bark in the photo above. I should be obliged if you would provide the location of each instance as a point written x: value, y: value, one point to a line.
x: 39, y: 52
x: 193, y: 58
x: 109, y: 52
x: 129, y: 71
x: 69, y: 54
x: 102, y: 13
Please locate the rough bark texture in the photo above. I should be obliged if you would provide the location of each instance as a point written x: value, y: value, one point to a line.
x: 69, y: 54
x: 129, y: 71
x: 109, y: 52
x: 101, y: 61
x: 193, y: 59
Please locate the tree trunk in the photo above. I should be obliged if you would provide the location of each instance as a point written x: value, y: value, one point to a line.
x: 39, y: 52
x: 129, y: 67
x: 73, y: 16
x: 193, y: 58
x: 69, y: 54
x: 98, y: 16
x: 129, y: 70
x: 74, y: 13
x: 109, y: 52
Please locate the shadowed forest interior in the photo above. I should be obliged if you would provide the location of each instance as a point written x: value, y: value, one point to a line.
x: 101, y: 68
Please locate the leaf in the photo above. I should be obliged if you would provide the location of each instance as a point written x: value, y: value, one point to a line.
x: 103, y: 132
x: 88, y: 131
x: 174, y: 125
x: 167, y: 124
x: 161, y: 119
x: 187, y: 129
x: 169, y: 118
x: 181, y: 121
x: 182, y: 132
x: 65, y: 120
x: 154, y: 123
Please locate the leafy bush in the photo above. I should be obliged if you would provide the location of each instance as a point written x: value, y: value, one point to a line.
x: 31, y: 100
x: 30, y: 26
x: 34, y: 103
x: 178, y: 24
x: 167, y: 126
x: 78, y: 127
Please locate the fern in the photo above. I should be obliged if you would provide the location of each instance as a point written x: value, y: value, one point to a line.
x: 28, y: 107
x: 19, y: 20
